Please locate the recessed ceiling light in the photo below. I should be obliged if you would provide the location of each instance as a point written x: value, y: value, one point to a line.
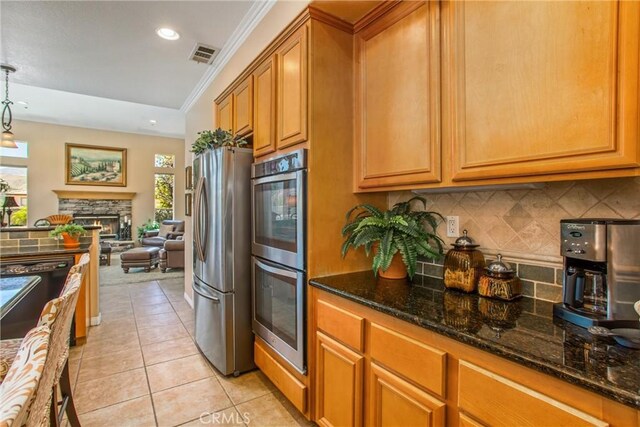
x: 168, y: 33
x: 153, y: 122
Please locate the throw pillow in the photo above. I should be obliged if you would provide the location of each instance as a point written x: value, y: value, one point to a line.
x: 164, y: 230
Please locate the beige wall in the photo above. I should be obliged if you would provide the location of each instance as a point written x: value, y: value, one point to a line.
x: 201, y: 115
x: 46, y: 165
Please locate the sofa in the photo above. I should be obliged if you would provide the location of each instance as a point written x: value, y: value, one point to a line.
x: 170, y: 229
x: 172, y: 254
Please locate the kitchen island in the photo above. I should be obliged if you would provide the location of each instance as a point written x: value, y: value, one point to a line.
x: 468, y: 341
x: 24, y: 246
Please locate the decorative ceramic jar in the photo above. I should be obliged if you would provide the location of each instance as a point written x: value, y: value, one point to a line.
x: 463, y: 265
x: 500, y: 281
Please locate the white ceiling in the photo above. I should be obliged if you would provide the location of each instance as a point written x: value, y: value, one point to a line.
x: 100, y: 64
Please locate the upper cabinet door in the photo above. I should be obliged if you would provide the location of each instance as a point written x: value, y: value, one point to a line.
x: 243, y: 107
x: 264, y: 108
x: 224, y: 114
x: 532, y: 88
x: 292, y: 89
x: 397, y: 121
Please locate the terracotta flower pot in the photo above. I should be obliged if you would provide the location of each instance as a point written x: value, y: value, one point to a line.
x: 397, y: 269
x: 69, y: 241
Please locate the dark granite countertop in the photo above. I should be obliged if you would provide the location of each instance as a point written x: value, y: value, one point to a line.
x: 7, y: 253
x: 523, y: 331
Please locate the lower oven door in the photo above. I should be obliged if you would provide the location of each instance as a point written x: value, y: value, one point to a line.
x: 278, y: 309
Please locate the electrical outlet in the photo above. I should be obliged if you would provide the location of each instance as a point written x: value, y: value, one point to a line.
x: 453, y: 226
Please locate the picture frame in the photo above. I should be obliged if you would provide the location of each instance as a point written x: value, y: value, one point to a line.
x: 95, y: 165
x: 187, y: 204
x: 188, y: 178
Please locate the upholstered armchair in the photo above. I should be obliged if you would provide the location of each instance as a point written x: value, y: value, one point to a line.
x: 172, y: 254
x: 169, y: 230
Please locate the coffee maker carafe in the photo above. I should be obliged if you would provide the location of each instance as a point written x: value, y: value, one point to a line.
x: 601, y: 279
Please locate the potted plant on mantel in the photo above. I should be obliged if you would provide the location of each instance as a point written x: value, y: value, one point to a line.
x: 70, y: 235
x: 397, y: 236
x: 210, y: 139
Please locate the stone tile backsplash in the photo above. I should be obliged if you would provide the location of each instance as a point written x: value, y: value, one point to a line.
x: 524, y: 225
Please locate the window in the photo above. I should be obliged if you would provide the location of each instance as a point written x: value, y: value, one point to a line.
x: 165, y: 160
x: 16, y: 177
x: 164, y: 186
x: 20, y: 152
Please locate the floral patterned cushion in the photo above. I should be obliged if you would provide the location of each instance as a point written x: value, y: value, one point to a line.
x: 8, y: 351
x: 79, y: 267
x: 50, y: 312
x: 21, y: 382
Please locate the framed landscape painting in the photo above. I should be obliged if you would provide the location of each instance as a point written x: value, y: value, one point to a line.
x: 93, y: 165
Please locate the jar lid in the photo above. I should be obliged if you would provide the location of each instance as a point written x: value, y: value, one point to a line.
x: 464, y: 241
x: 499, y: 267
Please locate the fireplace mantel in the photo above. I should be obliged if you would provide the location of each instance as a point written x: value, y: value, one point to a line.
x: 94, y: 195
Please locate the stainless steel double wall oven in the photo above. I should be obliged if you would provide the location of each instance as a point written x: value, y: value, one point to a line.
x: 278, y: 247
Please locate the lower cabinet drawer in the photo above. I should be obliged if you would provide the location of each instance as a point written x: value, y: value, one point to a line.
x: 346, y: 327
x: 289, y: 385
x: 498, y: 401
x: 395, y: 402
x: 419, y: 362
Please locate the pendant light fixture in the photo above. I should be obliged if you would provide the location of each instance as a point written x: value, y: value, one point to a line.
x: 8, y: 140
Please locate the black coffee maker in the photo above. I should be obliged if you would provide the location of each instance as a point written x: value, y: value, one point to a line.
x: 601, y: 280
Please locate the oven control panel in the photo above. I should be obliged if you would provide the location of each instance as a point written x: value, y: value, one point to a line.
x: 290, y: 162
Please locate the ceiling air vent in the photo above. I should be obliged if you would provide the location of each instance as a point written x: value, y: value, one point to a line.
x: 203, y: 54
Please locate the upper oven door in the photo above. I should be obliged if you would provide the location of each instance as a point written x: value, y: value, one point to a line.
x: 278, y: 218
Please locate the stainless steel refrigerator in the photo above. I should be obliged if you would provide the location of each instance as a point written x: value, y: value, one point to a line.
x: 222, y: 258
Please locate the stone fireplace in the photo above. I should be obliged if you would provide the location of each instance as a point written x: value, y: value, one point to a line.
x: 111, y: 210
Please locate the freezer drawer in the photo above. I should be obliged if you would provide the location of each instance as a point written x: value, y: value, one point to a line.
x: 214, y: 326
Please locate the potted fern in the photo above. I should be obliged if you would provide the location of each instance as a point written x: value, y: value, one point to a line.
x: 397, y: 236
x: 210, y: 139
x: 70, y: 235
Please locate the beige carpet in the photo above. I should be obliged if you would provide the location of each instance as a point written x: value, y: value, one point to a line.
x: 113, y: 275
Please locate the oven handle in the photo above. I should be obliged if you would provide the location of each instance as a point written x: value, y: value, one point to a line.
x: 276, y: 269
x: 204, y: 293
x: 276, y: 178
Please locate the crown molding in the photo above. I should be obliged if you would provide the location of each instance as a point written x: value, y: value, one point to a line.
x: 253, y: 17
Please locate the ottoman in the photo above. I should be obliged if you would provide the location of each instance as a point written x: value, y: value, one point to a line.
x: 145, y: 257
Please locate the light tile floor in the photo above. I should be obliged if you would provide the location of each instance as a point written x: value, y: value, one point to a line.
x: 141, y: 367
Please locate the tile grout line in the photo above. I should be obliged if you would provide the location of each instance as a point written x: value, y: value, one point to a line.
x: 144, y: 363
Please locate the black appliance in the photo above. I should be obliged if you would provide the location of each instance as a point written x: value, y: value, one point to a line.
x: 53, y: 271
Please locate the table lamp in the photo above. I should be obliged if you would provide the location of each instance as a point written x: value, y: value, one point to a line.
x: 9, y: 203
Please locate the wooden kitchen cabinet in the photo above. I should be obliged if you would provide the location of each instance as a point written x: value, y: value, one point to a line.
x: 292, y: 89
x: 339, y: 391
x: 264, y: 108
x: 243, y: 107
x: 406, y: 374
x: 481, y: 392
x: 397, y: 112
x: 535, y: 88
x: 396, y: 402
x: 224, y: 113
x: 528, y: 92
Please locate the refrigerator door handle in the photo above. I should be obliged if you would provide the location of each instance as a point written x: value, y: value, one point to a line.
x: 204, y: 293
x: 200, y: 197
x: 196, y: 234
